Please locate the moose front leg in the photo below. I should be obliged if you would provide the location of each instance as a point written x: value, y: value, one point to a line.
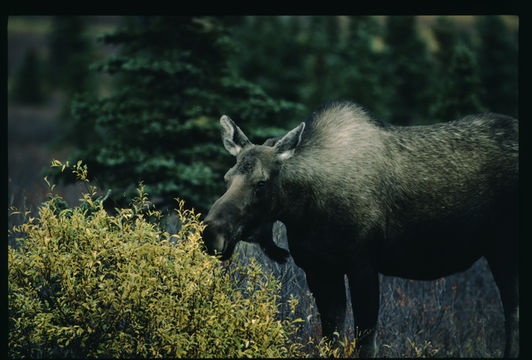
x: 329, y: 293
x: 364, y: 289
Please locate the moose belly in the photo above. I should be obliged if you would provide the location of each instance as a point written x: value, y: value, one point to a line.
x: 429, y: 251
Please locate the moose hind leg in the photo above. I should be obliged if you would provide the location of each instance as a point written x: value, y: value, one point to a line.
x: 329, y: 293
x: 507, y: 279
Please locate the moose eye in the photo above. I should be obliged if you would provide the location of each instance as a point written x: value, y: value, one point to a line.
x: 260, y: 184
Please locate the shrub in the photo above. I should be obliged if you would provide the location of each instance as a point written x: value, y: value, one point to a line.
x: 86, y: 283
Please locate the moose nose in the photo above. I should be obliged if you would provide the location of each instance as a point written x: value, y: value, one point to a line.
x: 213, y: 237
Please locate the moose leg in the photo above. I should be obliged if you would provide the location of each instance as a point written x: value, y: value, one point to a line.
x: 507, y: 278
x: 329, y: 293
x: 364, y: 288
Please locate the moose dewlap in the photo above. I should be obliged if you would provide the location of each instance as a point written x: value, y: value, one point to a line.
x: 361, y: 197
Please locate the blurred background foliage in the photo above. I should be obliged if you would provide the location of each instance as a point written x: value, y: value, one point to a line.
x: 139, y: 98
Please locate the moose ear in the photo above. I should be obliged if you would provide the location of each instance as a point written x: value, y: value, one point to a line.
x: 233, y: 138
x: 286, y: 146
x: 271, y: 141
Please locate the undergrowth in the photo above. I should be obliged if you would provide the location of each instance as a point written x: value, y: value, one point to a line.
x: 86, y: 283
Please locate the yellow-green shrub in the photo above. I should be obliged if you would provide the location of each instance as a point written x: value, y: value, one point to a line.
x: 84, y: 283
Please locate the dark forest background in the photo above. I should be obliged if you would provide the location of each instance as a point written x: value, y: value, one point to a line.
x: 139, y: 98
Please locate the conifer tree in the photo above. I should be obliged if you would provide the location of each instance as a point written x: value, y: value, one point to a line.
x: 70, y: 54
x: 160, y: 124
x: 445, y: 33
x: 409, y: 71
x: 322, y: 61
x: 498, y: 60
x: 269, y: 54
x: 312, y: 60
x: 359, y: 75
x: 28, y: 82
x: 68, y: 67
x: 461, y: 90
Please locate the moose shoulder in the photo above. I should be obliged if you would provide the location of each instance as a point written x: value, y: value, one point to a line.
x: 360, y: 197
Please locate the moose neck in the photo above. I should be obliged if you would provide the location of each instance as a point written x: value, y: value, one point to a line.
x: 298, y: 196
x: 314, y: 184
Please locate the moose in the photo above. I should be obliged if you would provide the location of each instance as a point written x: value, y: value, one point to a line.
x: 361, y: 197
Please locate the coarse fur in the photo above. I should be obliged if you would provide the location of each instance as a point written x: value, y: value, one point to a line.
x: 359, y: 197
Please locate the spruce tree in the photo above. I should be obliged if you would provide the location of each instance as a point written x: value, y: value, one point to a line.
x: 70, y: 54
x: 359, y: 76
x: 409, y: 70
x: 322, y: 62
x: 446, y: 35
x: 498, y: 60
x: 160, y: 124
x: 313, y: 59
x: 28, y: 81
x: 461, y: 90
x: 269, y: 53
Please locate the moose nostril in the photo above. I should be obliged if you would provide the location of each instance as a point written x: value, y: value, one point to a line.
x: 213, y: 238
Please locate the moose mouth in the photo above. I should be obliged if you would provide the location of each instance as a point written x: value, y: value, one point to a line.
x: 220, y: 242
x: 229, y: 247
